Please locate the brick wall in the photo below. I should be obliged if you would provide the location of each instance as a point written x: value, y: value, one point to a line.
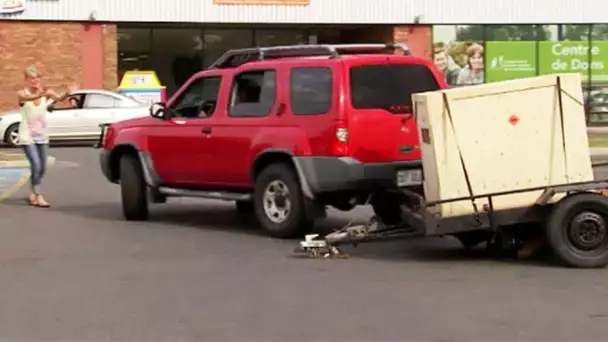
x: 55, y: 48
x: 418, y: 38
x: 110, y: 60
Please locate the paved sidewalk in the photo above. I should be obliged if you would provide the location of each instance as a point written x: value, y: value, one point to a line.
x: 598, y: 130
x: 599, y: 151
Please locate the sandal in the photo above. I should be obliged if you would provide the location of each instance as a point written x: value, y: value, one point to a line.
x: 32, y: 200
x: 41, y: 203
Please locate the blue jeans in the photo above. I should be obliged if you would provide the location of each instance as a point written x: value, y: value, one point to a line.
x: 37, y: 156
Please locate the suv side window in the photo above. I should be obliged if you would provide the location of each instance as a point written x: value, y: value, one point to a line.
x: 199, y: 99
x: 253, y: 94
x: 310, y: 90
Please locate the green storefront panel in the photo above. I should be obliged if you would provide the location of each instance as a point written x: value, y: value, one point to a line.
x: 575, y: 56
x: 510, y: 60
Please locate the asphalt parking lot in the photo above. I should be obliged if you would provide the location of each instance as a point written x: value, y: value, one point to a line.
x: 198, y: 271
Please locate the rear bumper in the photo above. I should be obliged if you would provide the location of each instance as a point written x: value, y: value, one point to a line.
x: 330, y: 174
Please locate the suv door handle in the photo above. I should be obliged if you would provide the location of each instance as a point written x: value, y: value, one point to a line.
x: 206, y: 130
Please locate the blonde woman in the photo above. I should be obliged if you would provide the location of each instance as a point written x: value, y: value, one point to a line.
x: 33, y: 101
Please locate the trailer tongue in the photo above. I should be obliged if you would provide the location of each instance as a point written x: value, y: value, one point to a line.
x: 328, y: 246
x: 530, y: 175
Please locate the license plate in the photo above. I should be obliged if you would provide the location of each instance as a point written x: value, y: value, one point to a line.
x: 409, y: 177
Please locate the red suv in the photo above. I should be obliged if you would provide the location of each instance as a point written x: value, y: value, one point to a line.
x: 283, y: 131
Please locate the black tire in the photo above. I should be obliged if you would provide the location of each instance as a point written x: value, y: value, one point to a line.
x: 133, y: 189
x: 296, y: 222
x: 577, y: 230
x: 387, y: 208
x: 7, y: 135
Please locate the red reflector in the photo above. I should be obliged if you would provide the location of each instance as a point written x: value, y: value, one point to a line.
x: 513, y: 119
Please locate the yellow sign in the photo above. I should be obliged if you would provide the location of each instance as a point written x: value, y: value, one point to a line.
x: 263, y: 2
x: 143, y: 86
x: 140, y: 80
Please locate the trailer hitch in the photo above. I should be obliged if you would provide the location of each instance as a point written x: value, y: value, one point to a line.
x: 316, y: 246
x: 327, y: 247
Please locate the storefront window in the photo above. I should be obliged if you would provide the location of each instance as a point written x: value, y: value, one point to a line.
x: 219, y: 41
x: 549, y: 32
x: 597, y: 94
x: 575, y: 32
x: 470, y: 33
x: 512, y: 33
x: 279, y: 37
x: 177, y: 55
x: 327, y: 37
x: 459, y: 53
x: 134, y: 47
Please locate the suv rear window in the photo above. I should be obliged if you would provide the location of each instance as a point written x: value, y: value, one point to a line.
x: 389, y: 86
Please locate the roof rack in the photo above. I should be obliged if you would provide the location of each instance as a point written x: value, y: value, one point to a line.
x: 235, y: 58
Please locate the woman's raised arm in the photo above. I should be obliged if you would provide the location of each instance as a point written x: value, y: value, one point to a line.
x: 58, y: 97
x: 23, y: 96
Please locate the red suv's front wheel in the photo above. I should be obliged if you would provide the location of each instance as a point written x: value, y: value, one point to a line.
x: 279, y: 202
x: 133, y: 189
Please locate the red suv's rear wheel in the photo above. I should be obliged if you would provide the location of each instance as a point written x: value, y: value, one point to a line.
x: 279, y: 202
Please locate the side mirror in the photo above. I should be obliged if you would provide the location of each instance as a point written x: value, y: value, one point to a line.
x: 159, y: 111
x: 50, y: 108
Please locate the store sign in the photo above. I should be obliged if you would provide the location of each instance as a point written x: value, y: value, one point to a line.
x: 143, y: 86
x: 263, y: 2
x: 510, y: 60
x: 575, y: 56
x: 12, y: 6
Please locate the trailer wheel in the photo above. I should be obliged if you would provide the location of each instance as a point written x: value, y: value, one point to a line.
x: 577, y: 230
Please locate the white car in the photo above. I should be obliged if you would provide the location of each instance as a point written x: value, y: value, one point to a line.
x: 78, y: 116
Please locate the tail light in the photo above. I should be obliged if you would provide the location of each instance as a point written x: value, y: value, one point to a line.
x: 105, y: 137
x: 109, y: 138
x: 340, y: 144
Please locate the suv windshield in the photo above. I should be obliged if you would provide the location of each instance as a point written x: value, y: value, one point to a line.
x: 389, y: 86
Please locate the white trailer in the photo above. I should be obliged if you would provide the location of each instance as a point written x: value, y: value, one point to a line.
x: 502, y: 163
